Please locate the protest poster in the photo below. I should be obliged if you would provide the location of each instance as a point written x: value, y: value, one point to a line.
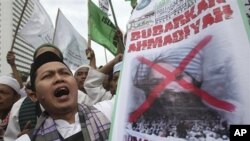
x: 185, y: 73
x: 247, y: 8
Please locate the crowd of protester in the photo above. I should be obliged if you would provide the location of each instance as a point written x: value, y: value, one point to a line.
x: 54, y: 102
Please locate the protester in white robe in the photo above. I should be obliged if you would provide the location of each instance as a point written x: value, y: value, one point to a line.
x: 91, y: 80
x: 87, y: 77
x: 106, y: 107
x: 9, y: 94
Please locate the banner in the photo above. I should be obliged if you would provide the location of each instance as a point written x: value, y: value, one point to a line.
x: 104, y: 5
x: 70, y: 42
x: 186, y: 71
x: 39, y: 28
x: 247, y: 7
x: 102, y: 30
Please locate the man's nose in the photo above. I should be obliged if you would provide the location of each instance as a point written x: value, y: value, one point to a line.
x: 58, y: 78
x: 83, y: 76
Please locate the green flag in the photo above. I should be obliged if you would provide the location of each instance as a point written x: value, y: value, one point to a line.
x: 102, y: 30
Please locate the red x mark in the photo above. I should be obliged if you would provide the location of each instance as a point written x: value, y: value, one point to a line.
x: 156, y: 91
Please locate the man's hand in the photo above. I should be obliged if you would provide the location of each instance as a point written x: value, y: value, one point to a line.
x: 90, y: 53
x: 118, y: 58
x: 11, y: 58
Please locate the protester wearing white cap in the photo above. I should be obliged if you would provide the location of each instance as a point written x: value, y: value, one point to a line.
x: 90, y: 82
x: 9, y: 94
x: 90, y: 87
x: 82, y: 71
x: 93, y: 85
x: 80, y: 75
x: 11, y: 82
x: 106, y: 107
x: 115, y: 77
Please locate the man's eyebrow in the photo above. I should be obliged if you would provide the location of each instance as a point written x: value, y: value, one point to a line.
x: 63, y: 68
x: 47, y: 71
x: 54, y: 70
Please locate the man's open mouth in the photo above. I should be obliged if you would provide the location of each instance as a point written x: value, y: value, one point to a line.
x: 61, y: 91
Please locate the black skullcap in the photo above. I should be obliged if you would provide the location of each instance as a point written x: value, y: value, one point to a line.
x: 42, y: 59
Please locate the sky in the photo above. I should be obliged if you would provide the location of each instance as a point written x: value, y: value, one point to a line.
x: 76, y: 12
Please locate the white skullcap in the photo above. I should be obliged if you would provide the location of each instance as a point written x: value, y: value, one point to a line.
x: 82, y: 66
x: 11, y: 82
x: 117, y: 67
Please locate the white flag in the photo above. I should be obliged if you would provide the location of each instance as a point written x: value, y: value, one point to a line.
x: 104, y: 5
x: 70, y: 42
x: 39, y: 28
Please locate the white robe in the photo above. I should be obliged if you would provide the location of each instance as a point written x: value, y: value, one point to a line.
x: 94, y: 88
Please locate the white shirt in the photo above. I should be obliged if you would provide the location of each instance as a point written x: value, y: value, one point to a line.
x: 94, y: 88
x: 106, y: 107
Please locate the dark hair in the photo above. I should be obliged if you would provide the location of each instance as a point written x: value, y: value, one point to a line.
x: 47, y: 45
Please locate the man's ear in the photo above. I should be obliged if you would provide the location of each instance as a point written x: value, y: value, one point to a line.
x: 32, y: 95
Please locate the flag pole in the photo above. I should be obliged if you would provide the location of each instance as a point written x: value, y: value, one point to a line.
x: 89, y: 39
x: 59, y: 10
x: 119, y: 39
x: 113, y: 13
x: 18, y: 25
x: 106, y: 55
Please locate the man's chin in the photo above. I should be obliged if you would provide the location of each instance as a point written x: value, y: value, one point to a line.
x: 66, y: 109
